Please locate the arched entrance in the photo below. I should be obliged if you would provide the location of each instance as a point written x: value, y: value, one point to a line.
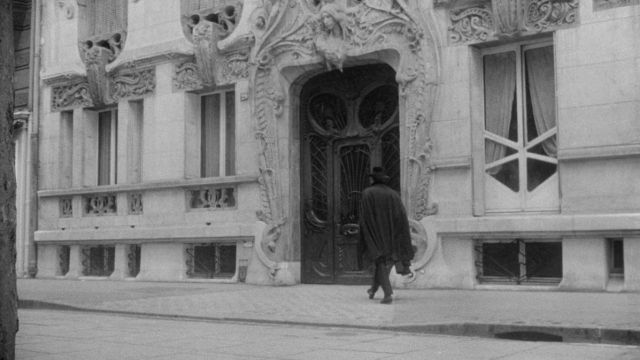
x: 349, y: 124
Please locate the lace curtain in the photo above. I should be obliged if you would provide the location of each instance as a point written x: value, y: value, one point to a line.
x: 499, y: 89
x: 541, y: 87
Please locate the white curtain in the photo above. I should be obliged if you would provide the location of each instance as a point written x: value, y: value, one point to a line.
x: 539, y: 64
x: 499, y: 90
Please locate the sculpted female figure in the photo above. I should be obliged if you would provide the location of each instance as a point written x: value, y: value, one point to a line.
x: 330, y: 41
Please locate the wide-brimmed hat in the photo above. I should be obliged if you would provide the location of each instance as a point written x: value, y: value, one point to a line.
x: 379, y: 175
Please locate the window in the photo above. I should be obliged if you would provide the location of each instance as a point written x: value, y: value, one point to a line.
x: 520, y: 130
x: 217, y: 147
x: 211, y: 260
x: 107, y: 146
x: 519, y: 261
x: 616, y: 257
x: 65, y: 152
x: 98, y: 260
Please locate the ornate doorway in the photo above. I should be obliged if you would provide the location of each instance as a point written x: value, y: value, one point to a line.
x: 349, y: 124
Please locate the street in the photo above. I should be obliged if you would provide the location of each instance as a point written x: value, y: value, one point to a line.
x: 69, y: 335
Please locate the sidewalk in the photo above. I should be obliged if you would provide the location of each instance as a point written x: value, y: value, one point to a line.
x: 575, y: 316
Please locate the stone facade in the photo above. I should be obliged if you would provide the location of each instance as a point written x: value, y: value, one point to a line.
x: 160, y: 63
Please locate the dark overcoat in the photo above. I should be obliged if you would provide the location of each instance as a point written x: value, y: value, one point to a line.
x: 384, y: 226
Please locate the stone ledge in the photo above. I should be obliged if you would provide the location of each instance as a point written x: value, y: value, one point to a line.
x: 537, y: 226
x: 599, y: 152
x: 230, y: 232
x: 457, y: 162
x: 147, y: 186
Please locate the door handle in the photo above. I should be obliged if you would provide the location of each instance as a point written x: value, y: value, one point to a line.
x: 350, y: 229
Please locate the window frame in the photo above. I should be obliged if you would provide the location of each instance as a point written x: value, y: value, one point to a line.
x: 223, y: 135
x: 480, y: 134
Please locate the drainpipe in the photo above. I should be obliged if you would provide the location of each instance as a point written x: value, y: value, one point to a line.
x: 31, y: 206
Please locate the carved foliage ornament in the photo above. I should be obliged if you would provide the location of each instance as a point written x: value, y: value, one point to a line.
x: 123, y: 84
x: 70, y: 96
x: 132, y: 83
x: 510, y: 18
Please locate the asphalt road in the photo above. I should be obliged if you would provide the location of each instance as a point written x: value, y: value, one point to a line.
x: 70, y: 335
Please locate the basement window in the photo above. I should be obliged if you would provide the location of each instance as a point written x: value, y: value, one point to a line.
x: 211, y: 260
x: 64, y: 252
x: 98, y: 260
x: 616, y: 257
x: 519, y: 261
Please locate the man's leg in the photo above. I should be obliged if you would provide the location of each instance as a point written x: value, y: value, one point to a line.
x: 375, y: 283
x: 383, y: 271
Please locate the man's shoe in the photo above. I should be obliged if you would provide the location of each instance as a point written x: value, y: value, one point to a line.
x: 386, y: 300
x: 371, y: 293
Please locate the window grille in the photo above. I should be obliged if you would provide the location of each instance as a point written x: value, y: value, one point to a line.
x: 211, y: 260
x: 519, y: 261
x: 98, y: 260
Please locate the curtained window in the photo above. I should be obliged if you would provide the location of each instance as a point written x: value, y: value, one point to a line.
x: 520, y: 116
x: 217, y: 147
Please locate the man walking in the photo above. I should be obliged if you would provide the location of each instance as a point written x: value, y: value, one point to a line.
x: 384, y: 231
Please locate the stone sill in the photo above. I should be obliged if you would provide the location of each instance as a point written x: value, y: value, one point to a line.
x: 537, y: 226
x: 150, y: 186
x: 226, y: 233
x: 599, y: 152
x: 457, y: 162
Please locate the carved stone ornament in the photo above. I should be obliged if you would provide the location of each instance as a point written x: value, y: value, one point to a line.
x: 510, y: 18
x: 102, y: 33
x: 68, y: 7
x: 204, y: 28
x: 306, y: 32
x: 70, y: 95
x: 133, y: 82
x: 235, y: 66
x: 186, y: 77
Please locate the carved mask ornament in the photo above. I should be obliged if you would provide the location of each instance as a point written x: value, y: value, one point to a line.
x: 204, y: 28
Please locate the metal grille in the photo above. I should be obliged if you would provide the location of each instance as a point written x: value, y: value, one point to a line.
x: 64, y: 253
x: 319, y: 177
x: 98, y: 260
x: 133, y: 260
x: 519, y: 261
x: 391, y: 157
x: 210, y: 260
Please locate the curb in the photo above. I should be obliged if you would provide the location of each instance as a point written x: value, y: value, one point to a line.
x: 498, y: 331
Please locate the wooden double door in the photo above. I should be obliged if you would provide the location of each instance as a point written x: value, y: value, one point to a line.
x: 349, y: 124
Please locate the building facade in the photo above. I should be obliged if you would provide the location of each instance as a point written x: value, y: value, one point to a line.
x: 226, y: 140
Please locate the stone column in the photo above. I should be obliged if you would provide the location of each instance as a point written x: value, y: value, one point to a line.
x: 584, y: 264
x: 75, y: 262
x: 631, y: 264
x: 121, y: 267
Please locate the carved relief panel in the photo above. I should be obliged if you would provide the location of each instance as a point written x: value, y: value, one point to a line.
x: 485, y: 20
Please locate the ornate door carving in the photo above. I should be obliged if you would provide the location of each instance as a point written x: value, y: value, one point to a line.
x: 349, y: 124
